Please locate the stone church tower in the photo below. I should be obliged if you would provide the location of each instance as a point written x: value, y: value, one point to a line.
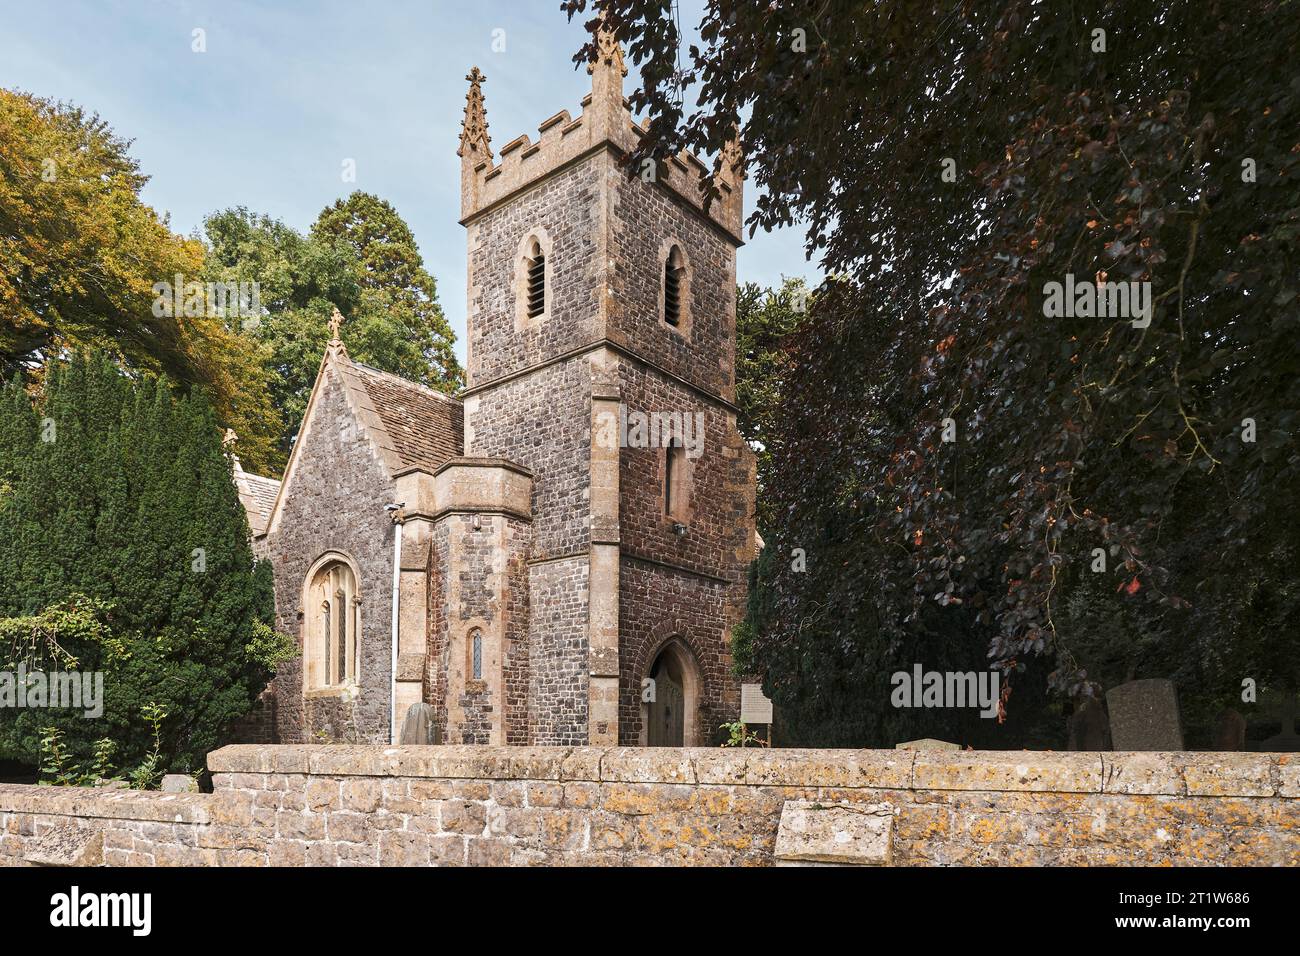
x: 566, y: 570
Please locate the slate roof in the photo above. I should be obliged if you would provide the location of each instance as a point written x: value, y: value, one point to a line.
x: 257, y: 495
x: 425, y: 427
x: 408, y: 424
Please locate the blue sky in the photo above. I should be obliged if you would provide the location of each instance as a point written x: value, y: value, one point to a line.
x: 288, y: 90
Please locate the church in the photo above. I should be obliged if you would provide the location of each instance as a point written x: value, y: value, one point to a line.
x: 516, y: 557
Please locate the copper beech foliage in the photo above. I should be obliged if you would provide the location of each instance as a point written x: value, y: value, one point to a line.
x: 1164, y: 149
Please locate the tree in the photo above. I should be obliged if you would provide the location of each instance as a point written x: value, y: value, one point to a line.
x: 80, y: 256
x: 360, y: 257
x: 952, y: 163
x: 120, y: 502
x: 300, y: 282
x: 396, y: 291
x: 765, y: 318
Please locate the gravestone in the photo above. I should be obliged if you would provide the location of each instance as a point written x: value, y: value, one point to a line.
x: 1288, y: 741
x: 927, y: 743
x: 1229, y: 731
x: 179, y: 783
x: 1144, y: 715
x: 1088, y: 727
x: 417, y: 728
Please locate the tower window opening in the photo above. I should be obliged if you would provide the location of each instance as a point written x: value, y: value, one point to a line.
x: 535, y: 270
x: 674, y: 272
x: 677, y: 482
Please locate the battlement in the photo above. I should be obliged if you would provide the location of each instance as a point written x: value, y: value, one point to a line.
x: 605, y: 122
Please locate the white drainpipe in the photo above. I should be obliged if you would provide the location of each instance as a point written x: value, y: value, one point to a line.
x: 395, y: 511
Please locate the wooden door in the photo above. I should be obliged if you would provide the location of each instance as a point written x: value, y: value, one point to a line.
x: 667, y: 713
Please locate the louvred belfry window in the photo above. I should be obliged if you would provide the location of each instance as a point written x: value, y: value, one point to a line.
x: 674, y: 274
x: 535, y: 274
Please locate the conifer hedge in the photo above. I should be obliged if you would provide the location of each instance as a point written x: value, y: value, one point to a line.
x: 116, y: 496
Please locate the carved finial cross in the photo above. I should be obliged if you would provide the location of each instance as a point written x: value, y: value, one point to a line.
x: 336, y: 320
x: 609, y: 52
x: 474, y: 140
x: 229, y: 438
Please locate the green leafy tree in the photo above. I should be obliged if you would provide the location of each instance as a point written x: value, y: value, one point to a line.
x: 949, y: 163
x: 397, y: 294
x: 300, y: 282
x: 123, y: 540
x: 361, y: 258
x: 80, y: 255
x: 765, y: 318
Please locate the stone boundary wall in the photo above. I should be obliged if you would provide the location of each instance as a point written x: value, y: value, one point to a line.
x: 345, y: 805
x: 80, y: 826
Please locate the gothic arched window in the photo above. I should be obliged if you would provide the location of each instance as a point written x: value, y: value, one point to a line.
x: 534, y: 277
x: 330, y: 642
x: 476, y: 654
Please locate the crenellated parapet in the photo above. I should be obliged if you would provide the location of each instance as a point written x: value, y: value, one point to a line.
x: 605, y: 122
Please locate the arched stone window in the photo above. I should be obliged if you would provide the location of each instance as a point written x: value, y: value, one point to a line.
x: 677, y: 482
x: 533, y: 279
x: 675, y: 288
x: 674, y: 276
x: 333, y: 619
x: 476, y: 654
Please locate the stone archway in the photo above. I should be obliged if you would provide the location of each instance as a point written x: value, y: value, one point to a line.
x: 672, y: 719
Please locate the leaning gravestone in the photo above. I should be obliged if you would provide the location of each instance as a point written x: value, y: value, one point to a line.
x: 1144, y: 716
x: 1229, y: 731
x: 1088, y: 727
x: 417, y: 728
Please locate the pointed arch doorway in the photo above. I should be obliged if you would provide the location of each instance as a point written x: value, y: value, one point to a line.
x: 671, y: 719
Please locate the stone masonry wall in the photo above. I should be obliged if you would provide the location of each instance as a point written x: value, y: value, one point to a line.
x: 258, y: 725
x: 85, y: 827
x: 720, y: 521
x: 543, y: 422
x: 566, y: 208
x: 689, y: 586
x: 345, y: 805
x: 557, y: 652
x: 643, y: 219
x: 339, y: 492
x: 467, y: 582
x: 658, y: 604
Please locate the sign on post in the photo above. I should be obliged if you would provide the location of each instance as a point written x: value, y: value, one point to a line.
x: 754, y: 707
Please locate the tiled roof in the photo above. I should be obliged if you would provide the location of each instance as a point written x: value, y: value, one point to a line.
x: 425, y: 427
x: 257, y: 495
